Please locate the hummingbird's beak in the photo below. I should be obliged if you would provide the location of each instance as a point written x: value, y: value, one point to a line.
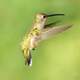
x: 54, y: 15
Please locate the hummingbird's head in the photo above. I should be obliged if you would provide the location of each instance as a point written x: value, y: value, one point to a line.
x: 41, y: 17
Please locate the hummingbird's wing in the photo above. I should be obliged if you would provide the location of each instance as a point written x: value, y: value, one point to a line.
x: 51, y: 24
x: 53, y: 31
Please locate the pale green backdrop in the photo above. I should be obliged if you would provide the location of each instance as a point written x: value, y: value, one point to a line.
x: 56, y: 58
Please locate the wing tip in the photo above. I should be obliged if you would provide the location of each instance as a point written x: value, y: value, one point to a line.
x: 69, y: 26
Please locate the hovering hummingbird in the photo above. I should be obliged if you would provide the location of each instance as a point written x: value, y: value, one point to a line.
x: 39, y: 32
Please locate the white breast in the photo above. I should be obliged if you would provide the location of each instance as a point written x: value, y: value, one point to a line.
x: 32, y: 42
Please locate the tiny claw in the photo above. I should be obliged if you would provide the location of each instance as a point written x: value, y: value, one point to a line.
x: 33, y: 48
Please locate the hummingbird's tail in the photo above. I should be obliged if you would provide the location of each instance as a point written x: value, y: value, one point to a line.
x: 28, y: 59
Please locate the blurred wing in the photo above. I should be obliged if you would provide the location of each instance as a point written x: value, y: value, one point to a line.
x: 51, y: 24
x: 53, y: 31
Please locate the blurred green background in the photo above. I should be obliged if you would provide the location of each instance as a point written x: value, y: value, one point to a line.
x: 56, y: 58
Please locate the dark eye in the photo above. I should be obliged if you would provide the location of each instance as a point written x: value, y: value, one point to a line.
x: 44, y: 16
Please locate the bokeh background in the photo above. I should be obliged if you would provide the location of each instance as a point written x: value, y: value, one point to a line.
x: 56, y: 58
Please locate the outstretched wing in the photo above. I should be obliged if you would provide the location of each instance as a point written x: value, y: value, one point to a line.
x: 51, y: 24
x: 53, y: 31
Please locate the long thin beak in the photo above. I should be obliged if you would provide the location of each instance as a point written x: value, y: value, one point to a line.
x: 54, y: 15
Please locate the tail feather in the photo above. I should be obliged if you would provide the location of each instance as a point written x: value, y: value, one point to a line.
x: 28, y: 59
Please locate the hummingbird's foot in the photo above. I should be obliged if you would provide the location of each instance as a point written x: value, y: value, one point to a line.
x: 33, y: 49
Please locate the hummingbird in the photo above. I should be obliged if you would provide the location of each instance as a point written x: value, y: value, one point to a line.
x: 39, y: 32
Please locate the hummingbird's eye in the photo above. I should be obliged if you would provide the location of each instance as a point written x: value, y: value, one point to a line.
x: 44, y: 16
